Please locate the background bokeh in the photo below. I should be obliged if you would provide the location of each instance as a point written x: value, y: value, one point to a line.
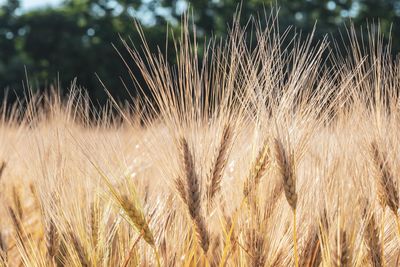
x: 73, y: 39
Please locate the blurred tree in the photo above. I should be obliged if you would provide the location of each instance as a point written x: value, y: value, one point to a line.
x: 73, y: 40
x: 11, y: 58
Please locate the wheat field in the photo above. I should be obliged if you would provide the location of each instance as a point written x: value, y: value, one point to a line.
x: 283, y: 153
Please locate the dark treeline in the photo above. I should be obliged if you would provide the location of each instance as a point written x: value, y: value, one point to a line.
x: 53, y: 46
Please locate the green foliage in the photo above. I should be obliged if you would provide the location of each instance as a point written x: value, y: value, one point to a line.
x: 75, y: 39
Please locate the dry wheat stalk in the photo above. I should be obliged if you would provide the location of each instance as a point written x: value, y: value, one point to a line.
x: 258, y: 169
x: 193, y: 195
x: 215, y: 176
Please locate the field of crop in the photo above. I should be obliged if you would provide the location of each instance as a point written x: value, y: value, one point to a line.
x: 280, y: 154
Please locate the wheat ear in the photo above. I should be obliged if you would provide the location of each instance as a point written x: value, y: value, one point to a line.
x: 52, y: 239
x: 373, y: 241
x: 181, y: 188
x: 17, y: 223
x: 215, y: 176
x: 258, y: 169
x: 387, y: 187
x: 17, y: 202
x: 193, y: 195
x: 137, y: 218
x: 94, y: 223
